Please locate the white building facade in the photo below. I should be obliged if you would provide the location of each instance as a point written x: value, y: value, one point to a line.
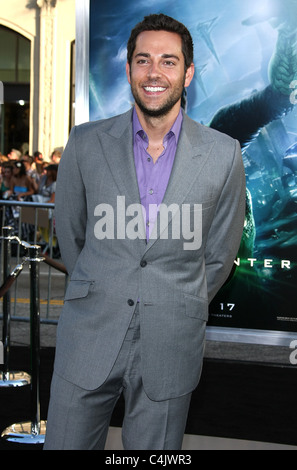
x: 37, y: 62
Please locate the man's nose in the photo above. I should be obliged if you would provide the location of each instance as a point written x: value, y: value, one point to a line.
x: 154, y: 70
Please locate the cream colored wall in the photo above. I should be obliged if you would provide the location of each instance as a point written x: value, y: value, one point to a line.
x: 51, y: 29
x: 66, y: 34
x: 15, y: 15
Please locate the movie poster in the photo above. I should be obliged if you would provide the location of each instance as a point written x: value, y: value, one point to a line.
x: 246, y: 86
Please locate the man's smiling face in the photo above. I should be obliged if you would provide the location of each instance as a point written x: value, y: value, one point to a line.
x: 157, y: 73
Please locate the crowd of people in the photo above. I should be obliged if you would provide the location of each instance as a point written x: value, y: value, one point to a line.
x: 29, y: 178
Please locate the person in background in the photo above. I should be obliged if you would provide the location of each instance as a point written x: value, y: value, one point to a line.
x: 37, y: 167
x: 6, y: 176
x: 47, y: 185
x: 56, y: 157
x: 21, y: 184
x: 3, y: 158
x: 14, y: 155
x: 28, y: 162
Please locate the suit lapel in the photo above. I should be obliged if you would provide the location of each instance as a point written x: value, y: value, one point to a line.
x: 117, y: 146
x: 192, y: 152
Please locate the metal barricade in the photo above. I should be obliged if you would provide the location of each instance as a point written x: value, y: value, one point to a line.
x: 33, y: 431
x: 20, y: 241
x: 16, y: 214
x: 9, y: 378
x: 33, y: 222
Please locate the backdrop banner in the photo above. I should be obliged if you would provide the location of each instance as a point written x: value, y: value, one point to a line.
x: 246, y: 86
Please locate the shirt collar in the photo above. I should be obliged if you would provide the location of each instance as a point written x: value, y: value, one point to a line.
x: 175, y: 129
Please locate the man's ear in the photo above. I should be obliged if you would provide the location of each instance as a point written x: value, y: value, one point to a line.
x: 189, y: 75
x: 128, y: 72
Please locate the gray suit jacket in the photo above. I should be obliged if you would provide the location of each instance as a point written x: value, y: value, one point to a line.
x: 173, y: 282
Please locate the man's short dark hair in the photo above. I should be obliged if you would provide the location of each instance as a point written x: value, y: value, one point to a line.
x: 161, y: 22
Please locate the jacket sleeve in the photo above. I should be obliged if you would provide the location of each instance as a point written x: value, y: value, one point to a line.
x: 227, y: 227
x: 70, y: 206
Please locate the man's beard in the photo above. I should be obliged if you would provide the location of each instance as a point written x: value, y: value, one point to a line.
x: 165, y: 108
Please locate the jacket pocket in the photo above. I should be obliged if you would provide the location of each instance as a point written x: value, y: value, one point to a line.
x: 196, y: 307
x: 77, y: 290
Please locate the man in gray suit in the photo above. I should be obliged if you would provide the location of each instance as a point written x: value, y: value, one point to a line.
x: 149, y: 215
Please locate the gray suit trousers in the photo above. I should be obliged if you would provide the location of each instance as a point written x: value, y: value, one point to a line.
x: 78, y: 419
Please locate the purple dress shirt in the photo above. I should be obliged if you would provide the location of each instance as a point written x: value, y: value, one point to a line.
x: 153, y: 177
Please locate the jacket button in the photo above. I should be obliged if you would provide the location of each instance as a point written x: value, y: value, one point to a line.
x: 130, y: 302
x: 143, y: 263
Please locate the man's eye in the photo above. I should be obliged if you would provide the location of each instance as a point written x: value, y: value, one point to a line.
x: 169, y: 63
